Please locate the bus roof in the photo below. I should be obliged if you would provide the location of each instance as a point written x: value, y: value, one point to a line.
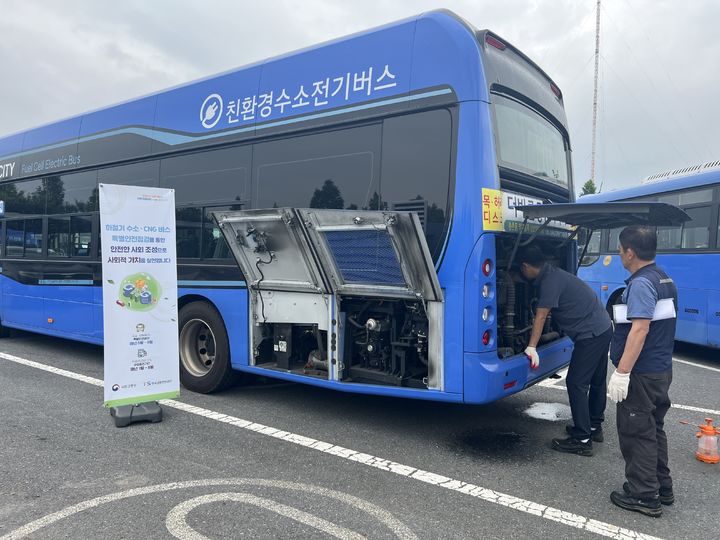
x: 674, y: 184
x: 433, y: 55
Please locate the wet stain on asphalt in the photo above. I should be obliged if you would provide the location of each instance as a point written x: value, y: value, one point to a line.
x: 489, y: 443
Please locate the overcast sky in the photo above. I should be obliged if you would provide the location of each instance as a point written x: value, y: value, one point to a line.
x: 658, y: 71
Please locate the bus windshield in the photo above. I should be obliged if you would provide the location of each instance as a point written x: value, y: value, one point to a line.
x: 528, y: 143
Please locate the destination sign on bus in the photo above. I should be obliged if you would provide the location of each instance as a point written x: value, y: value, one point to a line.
x: 499, y: 213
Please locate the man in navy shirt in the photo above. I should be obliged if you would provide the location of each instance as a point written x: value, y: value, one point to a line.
x: 578, y: 313
x: 641, y: 351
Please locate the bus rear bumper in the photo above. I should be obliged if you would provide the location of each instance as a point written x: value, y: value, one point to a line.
x: 488, y: 378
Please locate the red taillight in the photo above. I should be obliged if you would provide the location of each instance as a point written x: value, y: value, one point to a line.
x: 556, y: 91
x: 487, y: 267
x: 509, y: 385
x: 486, y: 337
x: 495, y: 42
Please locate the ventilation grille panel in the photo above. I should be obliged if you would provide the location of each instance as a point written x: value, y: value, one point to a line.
x: 365, y: 257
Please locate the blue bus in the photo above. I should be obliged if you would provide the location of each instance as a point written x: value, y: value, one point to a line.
x: 388, y: 163
x: 690, y: 253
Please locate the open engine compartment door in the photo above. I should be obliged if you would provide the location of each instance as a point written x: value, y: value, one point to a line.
x: 271, y: 248
x: 373, y: 253
x: 596, y: 216
x: 347, y: 295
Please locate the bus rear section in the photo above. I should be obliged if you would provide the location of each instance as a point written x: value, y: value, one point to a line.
x: 499, y: 314
x: 531, y: 165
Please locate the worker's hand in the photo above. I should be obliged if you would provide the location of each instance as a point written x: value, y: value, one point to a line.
x: 532, y: 355
x: 618, y: 386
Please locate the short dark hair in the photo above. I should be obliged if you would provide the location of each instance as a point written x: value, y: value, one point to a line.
x: 531, y: 255
x: 641, y: 239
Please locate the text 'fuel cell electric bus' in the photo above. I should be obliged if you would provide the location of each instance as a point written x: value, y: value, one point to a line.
x: 689, y: 253
x: 366, y: 187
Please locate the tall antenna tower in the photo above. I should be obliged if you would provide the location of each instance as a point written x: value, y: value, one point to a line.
x: 595, y: 92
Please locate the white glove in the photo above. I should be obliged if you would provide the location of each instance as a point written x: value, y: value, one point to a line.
x: 618, y: 386
x: 532, y: 355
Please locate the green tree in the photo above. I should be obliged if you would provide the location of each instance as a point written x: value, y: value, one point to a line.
x: 328, y: 196
x: 588, y: 188
x: 54, y: 191
x: 374, y: 203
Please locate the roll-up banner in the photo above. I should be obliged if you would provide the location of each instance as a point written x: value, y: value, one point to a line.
x: 139, y: 277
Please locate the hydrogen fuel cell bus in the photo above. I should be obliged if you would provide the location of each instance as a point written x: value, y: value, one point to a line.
x: 689, y: 253
x: 366, y: 187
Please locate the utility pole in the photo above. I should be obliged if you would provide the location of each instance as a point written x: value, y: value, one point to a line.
x: 595, y: 91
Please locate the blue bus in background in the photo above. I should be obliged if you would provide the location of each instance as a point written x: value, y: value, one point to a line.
x: 427, y: 130
x: 689, y: 253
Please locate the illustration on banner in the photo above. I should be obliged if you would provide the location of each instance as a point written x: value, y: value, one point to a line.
x: 139, y: 292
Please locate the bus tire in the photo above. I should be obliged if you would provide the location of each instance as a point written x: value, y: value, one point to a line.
x: 4, y: 331
x: 204, y: 349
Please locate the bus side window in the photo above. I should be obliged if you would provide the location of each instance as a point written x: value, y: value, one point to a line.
x: 33, y: 237
x: 80, y: 236
x: 696, y: 233
x: 336, y: 169
x: 668, y: 238
x: 58, y: 237
x: 218, y: 176
x: 213, y: 242
x: 614, y: 240
x: 415, y: 171
x: 14, y: 235
x: 68, y: 193
x: 187, y: 225
x: 145, y: 173
x: 593, y: 250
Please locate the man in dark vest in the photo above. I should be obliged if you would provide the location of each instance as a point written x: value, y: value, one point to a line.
x: 579, y: 314
x: 641, y: 351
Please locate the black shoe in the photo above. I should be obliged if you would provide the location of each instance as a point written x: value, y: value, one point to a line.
x: 649, y: 507
x: 666, y: 496
x: 573, y: 446
x: 596, y: 434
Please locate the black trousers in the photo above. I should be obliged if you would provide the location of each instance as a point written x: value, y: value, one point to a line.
x: 643, y: 443
x: 587, y: 383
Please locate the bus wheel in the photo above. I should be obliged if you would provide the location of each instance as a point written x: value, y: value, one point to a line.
x: 4, y: 331
x: 204, y: 349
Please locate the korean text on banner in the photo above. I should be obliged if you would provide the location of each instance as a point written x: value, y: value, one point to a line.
x: 492, y: 209
x: 139, y: 276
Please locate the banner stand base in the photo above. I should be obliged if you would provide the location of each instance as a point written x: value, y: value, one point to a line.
x: 142, y: 412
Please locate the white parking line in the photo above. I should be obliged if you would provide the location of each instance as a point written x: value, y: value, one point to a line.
x: 397, y: 527
x: 555, y: 384
x: 176, y: 521
x: 529, y: 507
x: 674, y: 405
x: 696, y: 365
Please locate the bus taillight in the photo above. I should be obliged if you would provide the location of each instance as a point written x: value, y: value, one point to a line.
x: 486, y: 337
x: 495, y: 42
x: 487, y: 267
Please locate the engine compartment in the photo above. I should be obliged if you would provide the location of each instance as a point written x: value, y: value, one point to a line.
x: 386, y: 342
x: 380, y: 341
x: 517, y: 298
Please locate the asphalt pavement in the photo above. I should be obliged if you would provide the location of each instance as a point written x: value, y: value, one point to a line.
x: 269, y: 459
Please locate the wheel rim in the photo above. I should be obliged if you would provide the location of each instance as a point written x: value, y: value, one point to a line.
x: 197, y: 347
